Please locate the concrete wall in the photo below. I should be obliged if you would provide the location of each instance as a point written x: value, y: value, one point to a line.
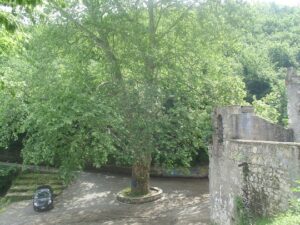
x: 251, y: 127
x: 260, y: 171
x: 240, y: 122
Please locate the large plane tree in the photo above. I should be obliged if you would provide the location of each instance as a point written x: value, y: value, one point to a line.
x: 100, y: 78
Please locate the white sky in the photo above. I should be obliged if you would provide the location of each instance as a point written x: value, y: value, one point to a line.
x: 280, y: 2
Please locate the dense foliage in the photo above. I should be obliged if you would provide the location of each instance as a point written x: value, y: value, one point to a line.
x: 136, y: 81
x: 12, y: 11
x: 7, y: 174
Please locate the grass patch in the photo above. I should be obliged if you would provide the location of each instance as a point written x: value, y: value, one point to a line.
x: 34, y: 179
x: 4, y: 202
x: 127, y: 193
x: 283, y: 219
x: 291, y: 217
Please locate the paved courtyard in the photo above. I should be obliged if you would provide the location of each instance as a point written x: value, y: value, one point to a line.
x: 91, y: 200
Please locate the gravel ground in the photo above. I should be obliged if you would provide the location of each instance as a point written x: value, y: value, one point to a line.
x: 91, y: 199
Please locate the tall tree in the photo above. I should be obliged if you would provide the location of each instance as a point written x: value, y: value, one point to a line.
x: 142, y: 43
x: 136, y: 77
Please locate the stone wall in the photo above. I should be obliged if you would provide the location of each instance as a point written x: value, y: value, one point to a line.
x: 260, y: 172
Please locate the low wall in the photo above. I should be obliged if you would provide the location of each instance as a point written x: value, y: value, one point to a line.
x: 261, y: 173
x: 193, y: 172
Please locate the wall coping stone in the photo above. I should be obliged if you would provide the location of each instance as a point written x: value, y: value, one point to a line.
x: 265, y: 142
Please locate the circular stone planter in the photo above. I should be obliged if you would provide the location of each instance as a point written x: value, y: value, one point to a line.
x: 154, y: 194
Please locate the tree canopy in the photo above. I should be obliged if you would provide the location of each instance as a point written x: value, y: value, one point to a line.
x: 135, y: 82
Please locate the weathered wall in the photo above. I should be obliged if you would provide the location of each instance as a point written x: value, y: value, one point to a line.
x: 257, y: 171
x: 240, y: 122
x: 293, y: 94
x: 251, y: 127
x: 224, y: 185
x: 261, y: 173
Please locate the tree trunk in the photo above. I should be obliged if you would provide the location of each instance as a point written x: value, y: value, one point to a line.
x: 140, y: 178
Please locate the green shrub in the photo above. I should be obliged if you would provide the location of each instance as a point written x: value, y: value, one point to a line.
x: 7, y: 174
x: 242, y: 213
